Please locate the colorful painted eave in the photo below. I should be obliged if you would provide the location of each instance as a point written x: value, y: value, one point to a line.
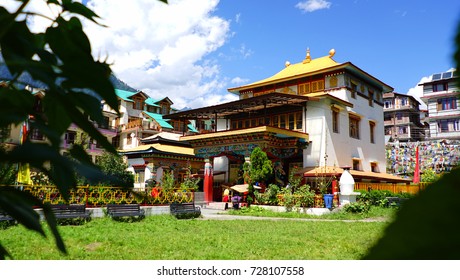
x: 176, y: 150
x: 260, y: 129
x: 304, y: 69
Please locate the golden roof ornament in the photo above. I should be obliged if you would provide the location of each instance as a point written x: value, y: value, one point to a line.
x: 287, y: 63
x: 307, y: 58
x: 331, y: 53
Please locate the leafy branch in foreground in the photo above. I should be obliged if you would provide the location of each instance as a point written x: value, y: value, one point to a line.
x: 74, y: 83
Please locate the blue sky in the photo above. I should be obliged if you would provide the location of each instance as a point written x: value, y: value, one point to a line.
x: 193, y: 51
x: 399, y: 42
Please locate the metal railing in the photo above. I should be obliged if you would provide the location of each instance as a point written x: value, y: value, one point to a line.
x: 100, y: 196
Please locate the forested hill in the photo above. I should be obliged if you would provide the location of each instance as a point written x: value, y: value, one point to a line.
x: 26, y: 79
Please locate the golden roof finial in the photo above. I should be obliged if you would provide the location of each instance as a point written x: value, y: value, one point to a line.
x: 331, y: 53
x: 307, y: 58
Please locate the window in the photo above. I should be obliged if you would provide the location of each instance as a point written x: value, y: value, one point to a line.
x: 404, y: 101
x: 164, y: 110
x: 138, y: 103
x: 371, y: 98
x: 356, y: 164
x: 298, y: 119
x: 372, y: 131
x: 388, y: 104
x: 291, y: 119
x: 275, y: 121
x: 402, y: 130
x: 70, y: 137
x: 439, y: 87
x: 449, y: 103
x: 354, y: 89
x: 388, y: 130
x: 303, y: 88
x: 354, y: 126
x: 36, y: 134
x: 317, y: 86
x: 374, y: 167
x: 399, y: 116
x: 335, y: 121
x: 282, y: 121
x: 448, y: 125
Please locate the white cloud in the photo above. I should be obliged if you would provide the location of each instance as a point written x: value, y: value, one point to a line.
x: 239, y: 81
x: 238, y: 18
x: 417, y: 92
x: 313, y: 5
x: 161, y: 49
x: 158, y: 48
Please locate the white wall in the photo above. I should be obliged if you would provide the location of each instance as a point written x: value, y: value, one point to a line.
x: 340, y: 147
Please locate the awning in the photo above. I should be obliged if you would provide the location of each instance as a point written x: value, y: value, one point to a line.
x: 329, y: 171
x: 159, y: 119
x: 243, y: 188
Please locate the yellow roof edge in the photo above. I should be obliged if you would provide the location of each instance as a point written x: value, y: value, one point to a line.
x: 246, y: 131
x: 272, y: 79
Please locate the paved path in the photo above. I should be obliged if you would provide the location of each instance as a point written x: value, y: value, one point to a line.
x: 214, y: 214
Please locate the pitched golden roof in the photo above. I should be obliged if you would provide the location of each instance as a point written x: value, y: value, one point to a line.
x: 309, y: 67
x: 294, y: 70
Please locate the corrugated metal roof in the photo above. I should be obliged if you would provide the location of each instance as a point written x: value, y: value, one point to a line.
x: 125, y: 95
x: 159, y: 119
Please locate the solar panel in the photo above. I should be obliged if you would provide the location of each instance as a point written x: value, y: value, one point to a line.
x: 436, y: 77
x: 447, y: 75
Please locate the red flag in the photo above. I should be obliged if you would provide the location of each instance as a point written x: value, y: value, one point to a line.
x: 417, y: 167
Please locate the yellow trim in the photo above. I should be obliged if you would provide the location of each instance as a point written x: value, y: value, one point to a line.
x: 258, y: 129
x: 336, y: 107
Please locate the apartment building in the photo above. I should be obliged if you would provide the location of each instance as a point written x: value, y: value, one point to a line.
x: 402, y: 118
x: 441, y: 96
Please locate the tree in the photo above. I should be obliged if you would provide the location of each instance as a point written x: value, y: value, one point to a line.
x: 257, y: 171
x: 113, y: 166
x: 260, y: 167
x: 60, y: 59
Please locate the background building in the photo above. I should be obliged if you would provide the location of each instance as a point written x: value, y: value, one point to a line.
x: 402, y: 118
x: 441, y: 96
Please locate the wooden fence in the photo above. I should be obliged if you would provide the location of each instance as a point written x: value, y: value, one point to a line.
x: 395, y: 188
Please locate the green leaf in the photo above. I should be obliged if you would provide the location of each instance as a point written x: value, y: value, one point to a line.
x: 18, y: 47
x: 57, y: 114
x: 15, y: 106
x: 78, y: 8
x: 4, y: 253
x: 19, y: 205
x: 51, y: 220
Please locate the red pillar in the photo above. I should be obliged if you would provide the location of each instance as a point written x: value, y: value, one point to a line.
x: 416, y: 179
x: 208, y: 181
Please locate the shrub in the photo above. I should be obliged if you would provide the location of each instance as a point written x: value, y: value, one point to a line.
x: 357, y: 207
x: 379, y: 198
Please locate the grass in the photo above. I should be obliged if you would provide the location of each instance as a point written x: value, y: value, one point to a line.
x: 162, y: 237
x: 374, y: 213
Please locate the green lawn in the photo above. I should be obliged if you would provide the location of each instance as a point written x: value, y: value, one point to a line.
x: 164, y: 237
